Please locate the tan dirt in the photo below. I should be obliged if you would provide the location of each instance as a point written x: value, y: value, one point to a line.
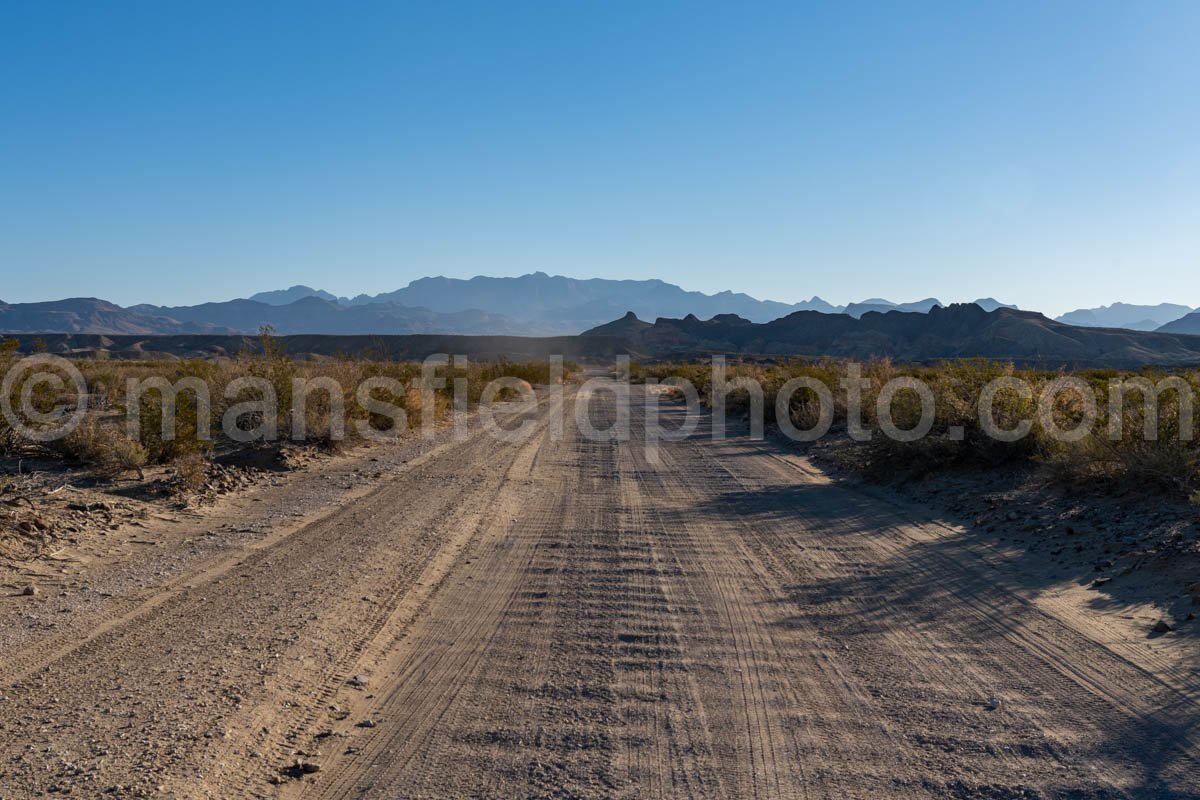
x: 563, y: 617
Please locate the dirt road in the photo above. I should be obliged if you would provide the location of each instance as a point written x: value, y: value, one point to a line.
x: 565, y: 617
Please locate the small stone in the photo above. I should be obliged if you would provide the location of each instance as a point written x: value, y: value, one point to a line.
x: 30, y: 591
x: 358, y: 682
x: 367, y: 723
x: 1162, y: 627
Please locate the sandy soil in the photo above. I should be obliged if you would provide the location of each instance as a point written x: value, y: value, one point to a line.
x: 571, y: 618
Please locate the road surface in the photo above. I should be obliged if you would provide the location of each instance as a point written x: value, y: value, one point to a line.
x: 570, y: 618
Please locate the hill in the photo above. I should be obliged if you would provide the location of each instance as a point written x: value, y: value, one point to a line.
x: 957, y: 331
x: 1189, y: 324
x: 1126, y: 315
x: 91, y: 315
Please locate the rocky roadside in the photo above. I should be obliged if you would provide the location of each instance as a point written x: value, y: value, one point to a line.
x: 1122, y: 562
x: 74, y: 557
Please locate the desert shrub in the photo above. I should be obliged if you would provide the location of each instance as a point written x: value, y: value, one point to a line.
x: 279, y: 371
x: 101, y: 445
x: 198, y: 429
x: 958, y: 437
x: 1170, y: 464
x: 163, y: 444
x: 189, y: 473
x: 886, y: 459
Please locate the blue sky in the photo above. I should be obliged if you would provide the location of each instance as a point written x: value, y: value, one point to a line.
x: 1044, y: 153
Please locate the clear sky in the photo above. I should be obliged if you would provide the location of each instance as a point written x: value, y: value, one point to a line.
x: 1046, y: 153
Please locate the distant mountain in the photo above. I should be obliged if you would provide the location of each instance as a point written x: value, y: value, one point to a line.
x: 991, y: 304
x: 90, y: 315
x: 530, y: 305
x: 1125, y: 315
x: 957, y: 331
x: 307, y: 315
x: 627, y: 326
x: 1189, y: 324
x: 856, y: 310
x: 283, y: 297
x: 569, y: 305
x: 314, y: 315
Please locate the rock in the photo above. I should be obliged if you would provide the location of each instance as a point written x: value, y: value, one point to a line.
x: 367, y: 723
x: 30, y: 591
x: 1096, y: 584
x: 307, y: 767
x: 98, y: 506
x: 358, y: 682
x: 994, y: 703
x: 1162, y: 627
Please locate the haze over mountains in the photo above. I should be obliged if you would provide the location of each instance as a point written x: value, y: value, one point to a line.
x: 570, y: 302
x: 1124, y: 315
x: 532, y: 305
x: 564, y: 305
x: 536, y: 304
x: 956, y: 331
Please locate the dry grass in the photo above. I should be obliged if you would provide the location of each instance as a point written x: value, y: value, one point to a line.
x: 104, y: 446
x: 333, y: 413
x: 1118, y: 448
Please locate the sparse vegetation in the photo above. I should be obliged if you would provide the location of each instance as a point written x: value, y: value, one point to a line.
x: 1125, y: 442
x: 104, y: 446
x: 328, y: 403
x: 189, y: 473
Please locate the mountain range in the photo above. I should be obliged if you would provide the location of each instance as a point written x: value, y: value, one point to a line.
x: 955, y: 331
x: 572, y: 303
x: 536, y: 304
x: 532, y: 305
